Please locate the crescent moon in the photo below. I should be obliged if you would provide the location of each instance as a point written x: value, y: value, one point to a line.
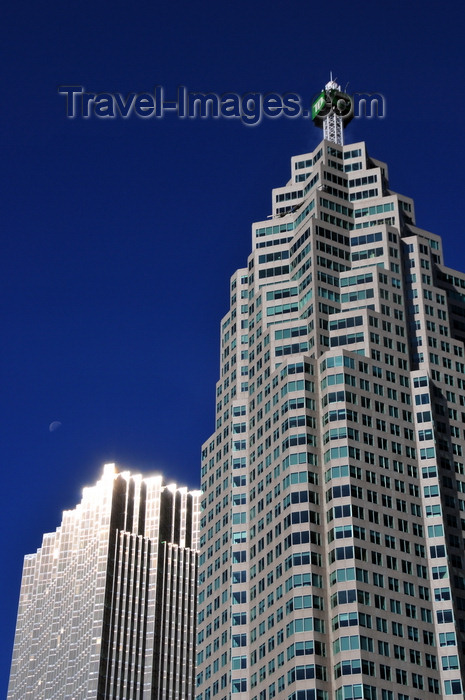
x: 54, y: 425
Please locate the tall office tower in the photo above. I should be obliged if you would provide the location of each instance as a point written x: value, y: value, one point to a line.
x: 108, y: 603
x: 331, y: 542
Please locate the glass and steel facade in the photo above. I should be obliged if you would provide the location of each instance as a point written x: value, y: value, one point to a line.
x: 108, y: 603
x: 332, y: 557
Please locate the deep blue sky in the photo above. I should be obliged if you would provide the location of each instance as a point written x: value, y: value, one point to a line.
x: 119, y: 237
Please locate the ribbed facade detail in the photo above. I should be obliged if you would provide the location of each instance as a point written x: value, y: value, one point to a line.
x: 94, y: 618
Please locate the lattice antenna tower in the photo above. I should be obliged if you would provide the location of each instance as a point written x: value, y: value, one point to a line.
x: 332, y: 111
x: 333, y: 129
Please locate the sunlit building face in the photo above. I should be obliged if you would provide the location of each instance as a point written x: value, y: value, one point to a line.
x: 107, y: 605
x: 331, y: 541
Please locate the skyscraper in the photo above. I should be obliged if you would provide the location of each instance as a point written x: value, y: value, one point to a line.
x: 331, y: 543
x: 108, y: 603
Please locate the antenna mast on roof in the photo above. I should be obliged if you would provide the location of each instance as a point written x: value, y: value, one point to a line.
x: 332, y: 110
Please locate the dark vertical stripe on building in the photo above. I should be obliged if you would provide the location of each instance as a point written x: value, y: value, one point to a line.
x: 142, y: 509
x: 189, y: 513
